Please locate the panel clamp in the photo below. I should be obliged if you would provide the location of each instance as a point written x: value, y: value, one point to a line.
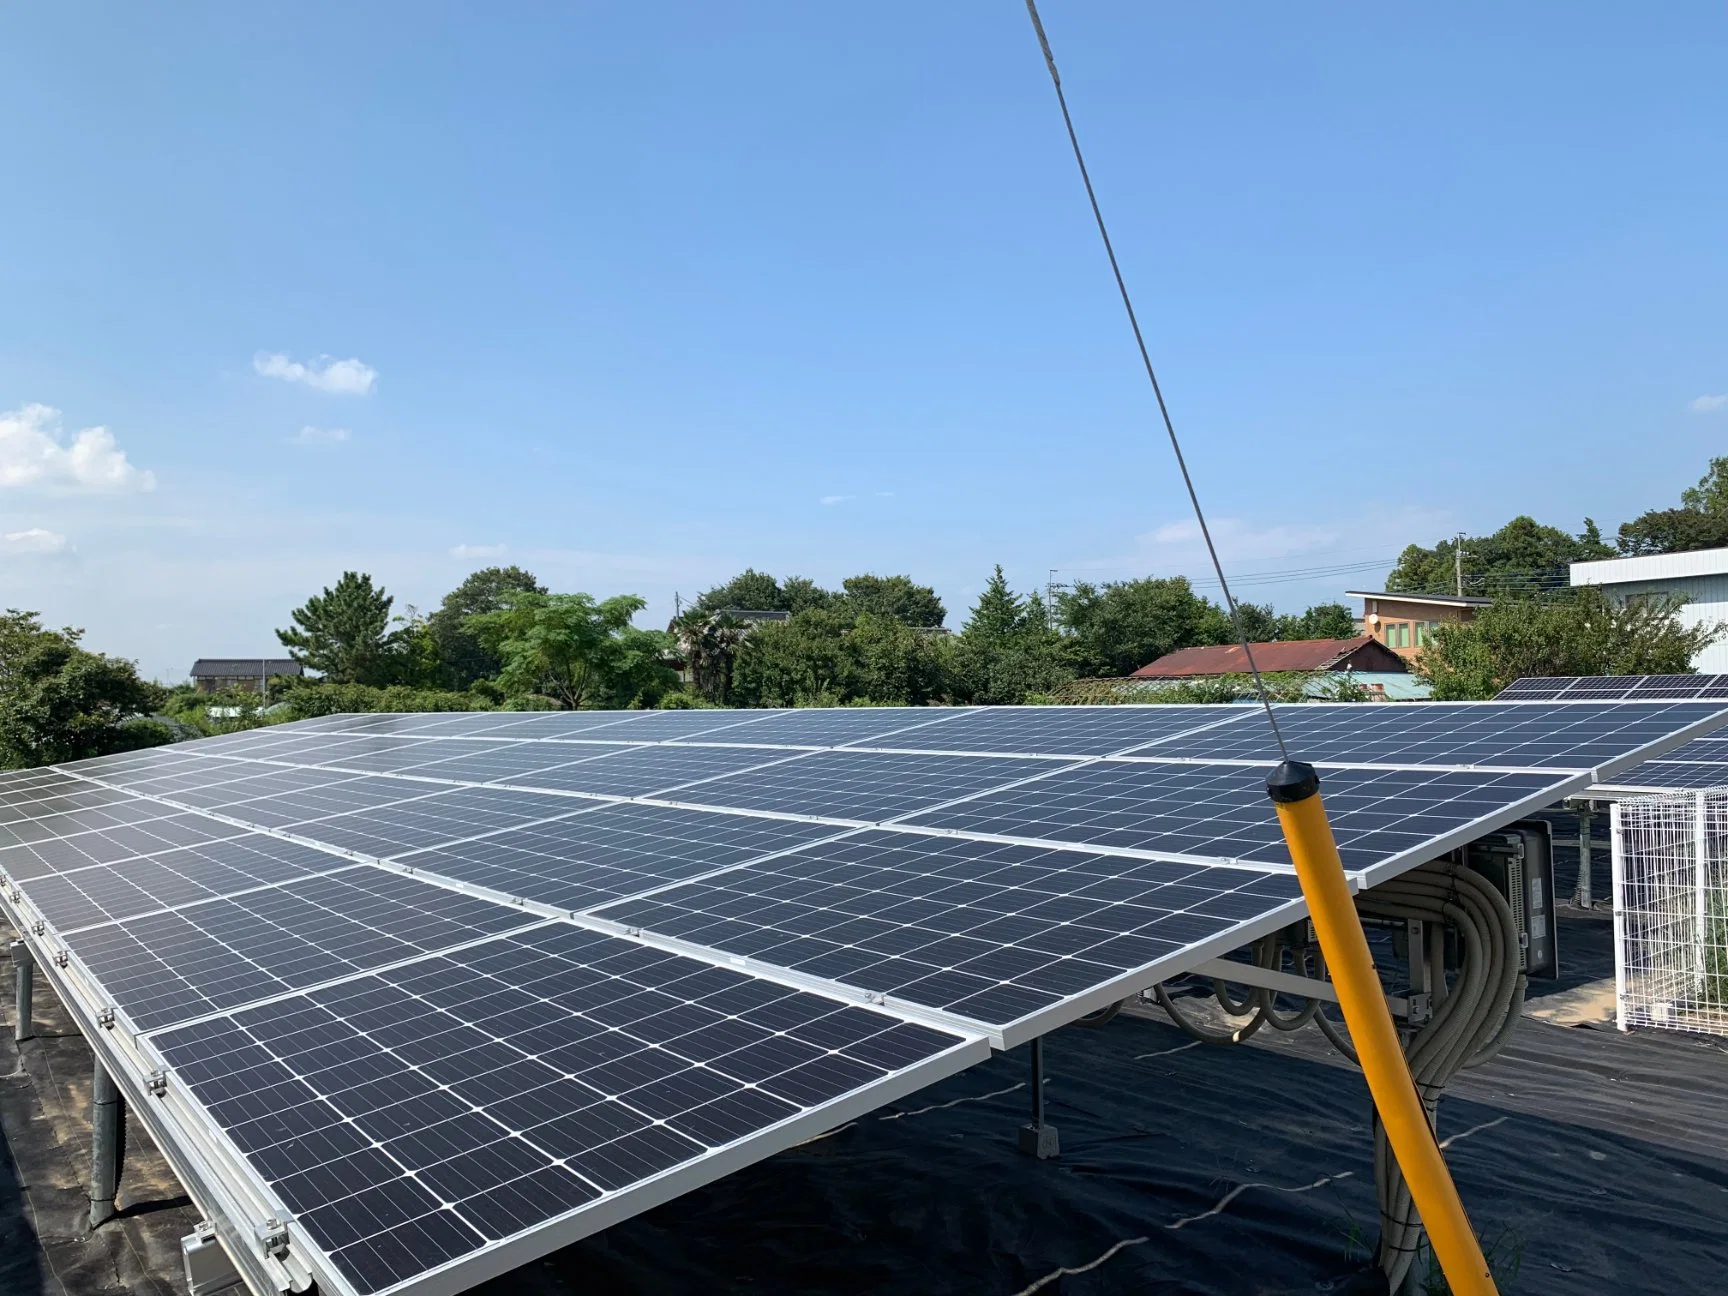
x: 272, y: 1238
x: 156, y: 1084
x: 105, y: 1019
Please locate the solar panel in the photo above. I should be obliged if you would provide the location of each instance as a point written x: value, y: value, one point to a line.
x: 411, y: 1118
x: 452, y: 990
x: 862, y: 786
x: 1616, y: 687
x: 177, y: 964
x: 612, y: 851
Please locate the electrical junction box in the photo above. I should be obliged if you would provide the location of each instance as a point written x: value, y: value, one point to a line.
x: 208, y: 1268
x: 1519, y: 862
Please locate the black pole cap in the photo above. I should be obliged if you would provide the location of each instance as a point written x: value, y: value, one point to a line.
x: 1292, y: 781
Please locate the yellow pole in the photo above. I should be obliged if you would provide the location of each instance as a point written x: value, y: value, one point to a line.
x: 1295, y: 788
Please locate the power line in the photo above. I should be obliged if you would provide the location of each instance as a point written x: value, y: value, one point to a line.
x: 1152, y: 375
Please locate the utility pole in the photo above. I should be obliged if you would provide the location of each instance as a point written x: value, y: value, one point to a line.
x: 1458, y: 561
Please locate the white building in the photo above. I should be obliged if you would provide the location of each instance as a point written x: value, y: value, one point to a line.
x: 1702, y: 576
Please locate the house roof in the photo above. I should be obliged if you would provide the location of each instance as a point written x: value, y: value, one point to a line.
x: 1652, y: 567
x: 1292, y: 655
x: 246, y: 667
x: 1444, y: 600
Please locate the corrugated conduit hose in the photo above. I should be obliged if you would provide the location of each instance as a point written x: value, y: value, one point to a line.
x: 1472, y: 1018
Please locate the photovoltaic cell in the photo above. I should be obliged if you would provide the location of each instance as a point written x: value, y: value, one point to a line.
x: 861, y: 786
x: 617, y: 850
x: 39, y: 859
x: 411, y: 1117
x: 649, y: 771
x: 170, y: 967
x: 838, y: 727
x: 1219, y: 811
x: 1079, y: 731
x: 988, y: 930
x: 506, y: 764
x: 142, y: 884
x: 1607, y: 687
x: 1528, y: 736
x: 446, y: 815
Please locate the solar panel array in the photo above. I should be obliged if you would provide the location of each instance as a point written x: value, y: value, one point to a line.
x: 457, y: 989
x: 1694, y: 766
x: 1613, y: 688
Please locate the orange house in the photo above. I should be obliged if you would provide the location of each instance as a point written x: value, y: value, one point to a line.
x: 1405, y: 623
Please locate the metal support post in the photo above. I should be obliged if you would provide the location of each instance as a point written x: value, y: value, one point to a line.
x: 106, y: 1115
x: 1581, y: 893
x: 1038, y: 1139
x: 24, y: 978
x: 1295, y: 789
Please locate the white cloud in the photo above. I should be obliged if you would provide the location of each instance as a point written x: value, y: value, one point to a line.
x: 34, y: 541
x: 1708, y: 404
x: 34, y: 451
x: 316, y: 436
x: 835, y: 499
x: 337, y: 377
x: 478, y: 551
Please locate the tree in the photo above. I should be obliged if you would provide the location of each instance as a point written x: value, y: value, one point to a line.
x: 1701, y: 521
x: 1678, y: 530
x: 749, y: 591
x: 1322, y: 621
x: 1522, y: 555
x: 61, y: 702
x: 1116, y: 628
x: 344, y: 632
x: 1584, y: 632
x: 894, y: 597
x: 1710, y: 495
x: 1008, y: 649
x: 711, y: 643
x: 462, y: 658
x: 577, y: 651
x: 802, y: 661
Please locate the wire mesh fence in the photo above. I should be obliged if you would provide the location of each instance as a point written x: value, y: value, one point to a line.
x: 1671, y: 911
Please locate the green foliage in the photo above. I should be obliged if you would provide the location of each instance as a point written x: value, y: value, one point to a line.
x: 1710, y: 495
x: 1522, y: 555
x: 576, y: 651
x: 710, y: 643
x: 896, y: 598
x: 1679, y: 530
x: 1322, y: 621
x: 1008, y: 651
x: 343, y: 632
x: 61, y: 702
x: 803, y: 661
x: 1116, y: 628
x: 319, y: 698
x: 235, y: 709
x: 1281, y: 686
x: 750, y: 591
x: 1583, y: 632
x: 460, y: 657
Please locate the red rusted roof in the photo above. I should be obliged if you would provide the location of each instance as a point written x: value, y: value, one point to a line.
x: 1294, y: 655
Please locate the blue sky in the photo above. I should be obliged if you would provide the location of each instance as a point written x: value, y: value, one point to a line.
x: 637, y: 295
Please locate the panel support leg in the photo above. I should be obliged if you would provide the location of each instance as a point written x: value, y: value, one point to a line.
x: 24, y: 979
x: 1038, y: 1139
x: 106, y: 1115
x: 1581, y: 898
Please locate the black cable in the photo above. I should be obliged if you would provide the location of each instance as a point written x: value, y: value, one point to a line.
x: 1146, y: 359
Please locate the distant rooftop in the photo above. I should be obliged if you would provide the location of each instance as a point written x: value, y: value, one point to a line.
x: 244, y: 667
x: 1445, y: 600
x: 1362, y: 653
